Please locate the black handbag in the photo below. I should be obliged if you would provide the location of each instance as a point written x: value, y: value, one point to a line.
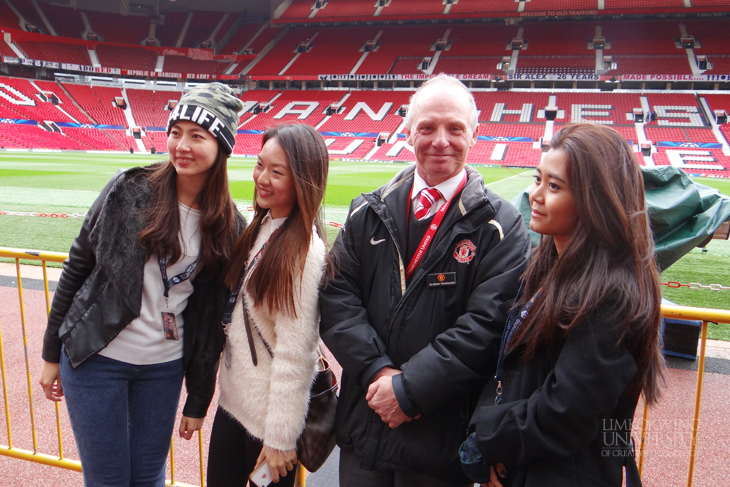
x: 317, y: 440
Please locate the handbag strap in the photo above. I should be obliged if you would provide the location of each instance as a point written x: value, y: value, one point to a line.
x: 249, y: 335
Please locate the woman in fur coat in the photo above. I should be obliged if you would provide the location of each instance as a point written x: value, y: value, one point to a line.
x: 272, y: 334
x: 135, y: 307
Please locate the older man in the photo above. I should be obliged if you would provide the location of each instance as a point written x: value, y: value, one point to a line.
x: 427, y: 267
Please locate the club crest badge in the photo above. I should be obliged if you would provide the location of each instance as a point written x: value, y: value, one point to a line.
x: 465, y: 251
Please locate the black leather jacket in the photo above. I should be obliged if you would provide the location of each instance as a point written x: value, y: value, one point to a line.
x: 100, y: 290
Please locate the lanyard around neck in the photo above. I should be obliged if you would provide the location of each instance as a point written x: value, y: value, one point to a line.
x: 233, y: 297
x: 432, y: 229
x: 175, y: 280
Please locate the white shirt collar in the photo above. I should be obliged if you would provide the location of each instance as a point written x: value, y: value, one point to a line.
x: 273, y: 224
x: 447, y: 188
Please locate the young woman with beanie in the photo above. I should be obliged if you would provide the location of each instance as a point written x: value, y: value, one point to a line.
x: 582, y: 342
x: 273, y: 315
x: 138, y: 303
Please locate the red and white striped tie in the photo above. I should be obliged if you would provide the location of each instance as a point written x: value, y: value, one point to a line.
x: 426, y: 198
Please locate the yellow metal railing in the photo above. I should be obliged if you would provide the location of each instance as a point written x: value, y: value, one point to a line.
x: 702, y: 314
x: 35, y: 455
x: 705, y: 315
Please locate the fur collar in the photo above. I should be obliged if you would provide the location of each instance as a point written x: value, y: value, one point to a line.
x: 114, y: 236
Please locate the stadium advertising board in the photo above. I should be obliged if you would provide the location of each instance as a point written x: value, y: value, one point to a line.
x: 102, y: 70
x: 676, y: 77
x: 722, y: 78
x: 396, y: 77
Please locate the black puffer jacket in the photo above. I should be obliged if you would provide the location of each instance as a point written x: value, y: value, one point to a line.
x: 100, y: 290
x: 444, y: 339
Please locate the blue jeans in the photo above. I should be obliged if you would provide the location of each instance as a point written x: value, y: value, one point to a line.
x: 122, y: 416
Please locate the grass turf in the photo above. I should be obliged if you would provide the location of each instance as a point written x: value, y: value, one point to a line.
x: 68, y: 183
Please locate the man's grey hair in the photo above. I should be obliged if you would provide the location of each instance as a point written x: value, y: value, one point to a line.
x: 449, y: 81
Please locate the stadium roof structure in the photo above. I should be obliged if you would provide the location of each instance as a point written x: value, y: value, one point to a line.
x: 157, y: 7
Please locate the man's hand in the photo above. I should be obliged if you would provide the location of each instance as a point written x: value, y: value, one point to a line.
x: 382, y: 400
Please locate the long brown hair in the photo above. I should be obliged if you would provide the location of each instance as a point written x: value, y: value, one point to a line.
x: 608, y: 259
x: 217, y: 215
x: 272, y: 279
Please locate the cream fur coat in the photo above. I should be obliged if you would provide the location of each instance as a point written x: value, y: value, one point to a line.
x: 270, y: 400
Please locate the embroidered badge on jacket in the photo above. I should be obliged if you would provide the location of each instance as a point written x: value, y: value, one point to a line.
x: 465, y: 251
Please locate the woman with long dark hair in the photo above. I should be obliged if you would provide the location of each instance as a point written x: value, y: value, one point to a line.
x: 272, y: 319
x: 582, y: 342
x: 138, y: 303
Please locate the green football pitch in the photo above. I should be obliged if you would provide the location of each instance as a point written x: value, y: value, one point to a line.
x: 67, y: 184
x: 43, y: 197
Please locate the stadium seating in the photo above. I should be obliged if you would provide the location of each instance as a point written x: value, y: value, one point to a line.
x: 300, y: 9
x: 6, y: 50
x: 469, y: 65
x: 718, y: 102
x: 604, y: 106
x: 257, y: 45
x: 484, y: 6
x: 696, y: 161
x: 118, y: 28
x: 412, y: 42
x: 709, y: 3
x: 21, y: 99
x: 278, y: 58
x: 95, y: 139
x: 549, y: 5
x: 502, y: 153
x: 510, y: 122
x: 514, y: 104
x: 556, y: 47
x: 340, y: 47
x: 665, y: 134
x: 366, y: 120
x: 295, y: 106
x: 167, y: 32
x: 182, y: 64
x: 248, y: 144
x: 14, y: 136
x: 627, y: 4
x: 148, y: 107
x: 558, y: 38
x: 556, y: 65
x: 676, y: 109
x: 66, y: 22
x: 238, y: 41
x: 412, y: 8
x: 349, y: 147
x: 642, y: 38
x: 98, y: 103
x: 701, y: 136
x: 56, y: 52
x: 127, y: 57
x: 156, y: 140
x: 7, y: 17
x: 201, y: 27
x: 65, y: 102
x: 647, y: 64
x: 29, y: 14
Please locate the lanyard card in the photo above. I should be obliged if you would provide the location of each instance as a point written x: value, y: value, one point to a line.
x: 169, y: 326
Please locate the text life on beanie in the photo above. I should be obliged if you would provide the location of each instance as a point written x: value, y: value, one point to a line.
x: 214, y: 107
